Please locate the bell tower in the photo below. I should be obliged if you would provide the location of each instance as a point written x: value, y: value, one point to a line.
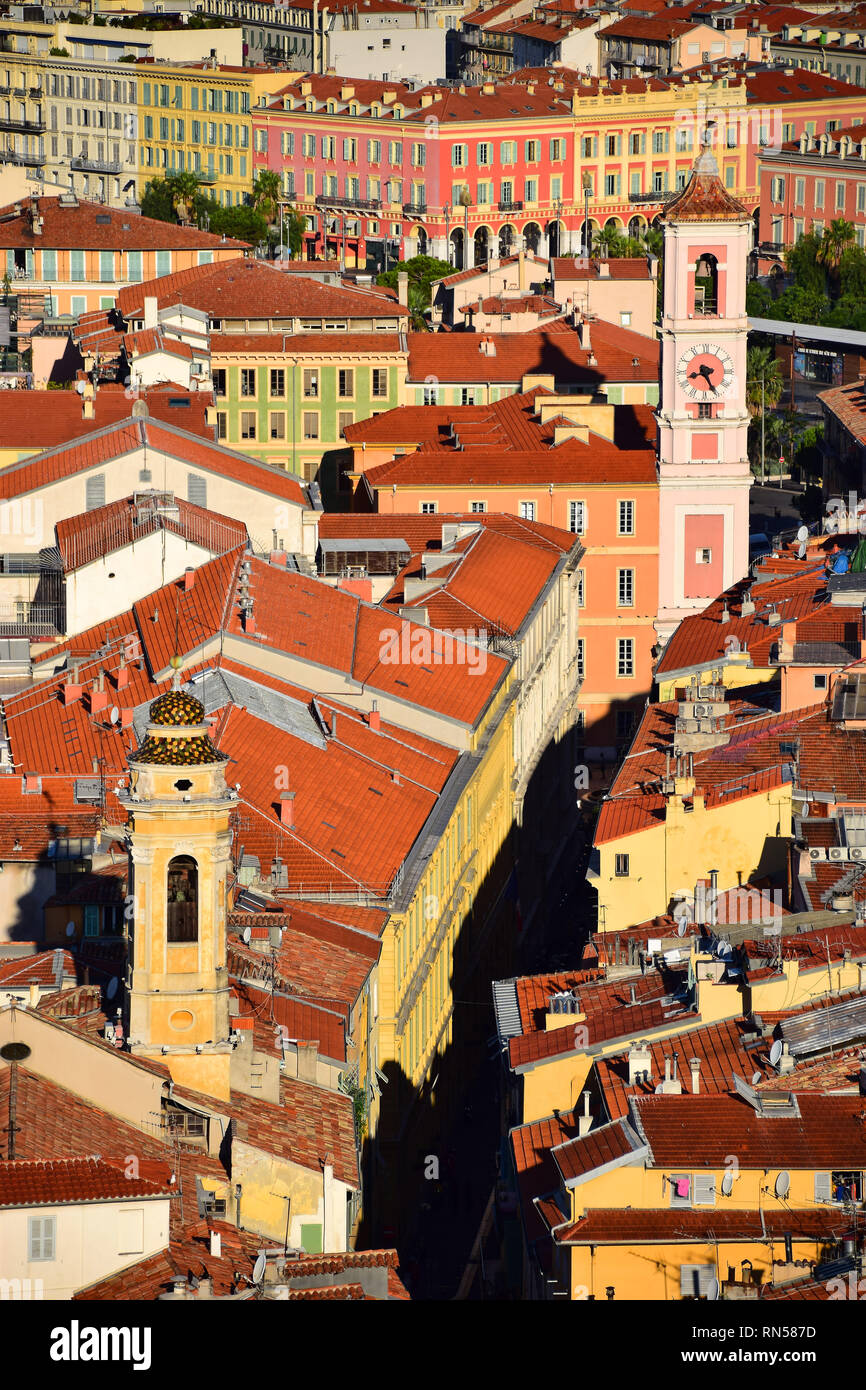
x: 180, y: 846
x: 703, y: 419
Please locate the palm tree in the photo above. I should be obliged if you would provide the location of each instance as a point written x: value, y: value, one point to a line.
x: 834, y: 243
x: 184, y: 188
x: 607, y: 241
x: 266, y: 194
x: 764, y: 384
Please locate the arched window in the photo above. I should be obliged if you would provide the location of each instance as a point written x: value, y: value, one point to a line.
x: 706, y: 284
x: 182, y: 899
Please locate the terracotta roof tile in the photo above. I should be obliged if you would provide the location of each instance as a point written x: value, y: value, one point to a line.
x: 94, y: 226
x: 55, y: 1182
x: 650, y: 1226
x: 553, y: 349
x: 96, y: 534
x: 702, y: 1130
x: 38, y: 420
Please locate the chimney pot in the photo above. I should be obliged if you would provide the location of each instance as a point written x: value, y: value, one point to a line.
x: 287, y: 808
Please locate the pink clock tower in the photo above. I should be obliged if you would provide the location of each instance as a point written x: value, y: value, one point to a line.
x: 703, y: 467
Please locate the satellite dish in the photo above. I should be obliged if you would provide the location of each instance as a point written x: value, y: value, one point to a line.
x: 803, y: 533
x: 114, y: 714
x: 112, y: 988
x: 681, y: 929
x: 775, y: 1052
x: 70, y: 928
x: 801, y: 551
x: 14, y: 1052
x: 713, y: 1289
x: 259, y: 1268
x: 79, y: 386
x: 725, y: 950
x: 756, y: 1077
x: 783, y: 1185
x: 727, y: 1184
x: 246, y: 934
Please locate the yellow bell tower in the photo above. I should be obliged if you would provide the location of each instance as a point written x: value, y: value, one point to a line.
x: 180, y: 845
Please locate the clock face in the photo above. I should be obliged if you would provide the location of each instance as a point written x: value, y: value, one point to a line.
x: 705, y: 371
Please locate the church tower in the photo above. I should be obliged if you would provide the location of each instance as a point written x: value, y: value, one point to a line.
x: 180, y: 839
x: 703, y: 465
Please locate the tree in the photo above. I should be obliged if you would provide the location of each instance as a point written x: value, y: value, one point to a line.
x: 157, y: 201
x: 266, y: 194
x: 762, y: 366
x: 836, y: 240
x: 422, y: 271
x: 607, y: 241
x: 243, y: 222
x: 184, y: 189
x: 801, y: 260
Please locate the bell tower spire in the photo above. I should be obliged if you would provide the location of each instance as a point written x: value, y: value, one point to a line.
x: 703, y: 420
x: 180, y: 845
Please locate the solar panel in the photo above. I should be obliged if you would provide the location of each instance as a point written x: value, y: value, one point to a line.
x: 825, y: 1027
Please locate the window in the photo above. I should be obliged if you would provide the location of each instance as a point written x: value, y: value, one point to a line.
x: 478, y: 507
x: 527, y: 511
x: 777, y: 190
x: 311, y: 383
x: 429, y: 508
x: 843, y: 1185
x: 182, y: 900
x: 533, y: 151
x: 624, y: 724
x: 581, y: 653
x: 508, y: 152
x: 819, y: 193
x: 94, y: 491
x: 395, y: 151
x: 467, y: 395
x: 346, y: 383
x: 350, y: 150
x: 196, y: 489
x: 589, y: 146
x: 704, y: 556
x: 91, y: 919
x: 557, y: 149
x: 76, y: 265
x: 840, y: 196
x: 577, y: 517
x: 696, y: 1281
x: 278, y: 381
x: 530, y: 190
x: 218, y: 377
x: 278, y: 424
x: 625, y: 588
x: 311, y: 424
x: 484, y: 154
x: 625, y: 656
x: 820, y: 682
x: 799, y: 192
x: 248, y: 381
x: 625, y: 521
x: 705, y: 410
x: 248, y: 424
x: 459, y: 156
x: 344, y: 419
x: 620, y: 865
x: 431, y: 395
x: 730, y: 176
x: 611, y: 185
x: 380, y: 383
x: 106, y: 266
x: 660, y: 142
x: 637, y: 143
x: 581, y: 588
x: 222, y: 425
x: 41, y: 1237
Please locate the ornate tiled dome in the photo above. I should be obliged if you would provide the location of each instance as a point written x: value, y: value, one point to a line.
x: 178, y: 708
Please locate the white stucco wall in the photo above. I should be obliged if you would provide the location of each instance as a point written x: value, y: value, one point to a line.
x: 92, y: 1241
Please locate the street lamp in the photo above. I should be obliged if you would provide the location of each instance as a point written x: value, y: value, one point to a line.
x: 446, y: 212
x: 557, y: 208
x: 587, y: 238
x: 465, y: 203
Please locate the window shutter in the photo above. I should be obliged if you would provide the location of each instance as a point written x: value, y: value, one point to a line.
x: 41, y: 1237
x: 49, y: 264
x: 823, y: 1188
x: 95, y: 491
x: 704, y: 1190
x: 91, y: 919
x: 197, y: 489
x: 695, y: 1280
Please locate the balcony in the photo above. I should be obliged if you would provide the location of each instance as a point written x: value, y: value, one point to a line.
x: 664, y: 197
x: 510, y: 207
x: 97, y: 166
x: 414, y: 209
x: 22, y: 127
x: 205, y: 175
x: 336, y: 202
x: 16, y: 157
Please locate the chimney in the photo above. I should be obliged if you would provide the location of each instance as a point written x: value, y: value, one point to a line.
x: 88, y: 404
x: 584, y: 1121
x: 403, y: 288
x: 151, y: 318
x: 585, y: 340
x: 375, y: 718
x: 287, y: 808
x: 71, y: 689
x: 188, y: 579
x: 695, y: 1065
x: 747, y: 607
x: 249, y: 620
x: 121, y: 675
x: 786, y: 1061
x: 98, y: 695
x: 216, y: 1244
x: 34, y: 994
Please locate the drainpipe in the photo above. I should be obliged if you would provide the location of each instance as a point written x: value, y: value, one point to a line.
x: 327, y: 1179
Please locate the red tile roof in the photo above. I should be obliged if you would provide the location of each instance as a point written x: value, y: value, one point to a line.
x: 48, y: 968
x: 566, y: 268
x: 56, y: 1182
x: 250, y: 289
x: 568, y: 464
x: 553, y: 350
x: 705, y: 197
x: 424, y: 533
x: 702, y: 1131
x: 94, y: 226
x: 96, y: 534
x: 37, y: 420
x: 303, y: 344
x: 651, y: 1226
x: 575, y: 1158
x: 848, y: 404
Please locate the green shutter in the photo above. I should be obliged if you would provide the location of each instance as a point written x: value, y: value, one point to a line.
x: 311, y: 1237
x: 76, y: 265
x: 163, y: 262
x: 49, y: 265
x: 133, y: 266
x: 106, y: 265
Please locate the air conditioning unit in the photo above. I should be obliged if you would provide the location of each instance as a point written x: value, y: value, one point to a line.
x: 817, y: 854
x: 858, y: 852
x: 837, y: 853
